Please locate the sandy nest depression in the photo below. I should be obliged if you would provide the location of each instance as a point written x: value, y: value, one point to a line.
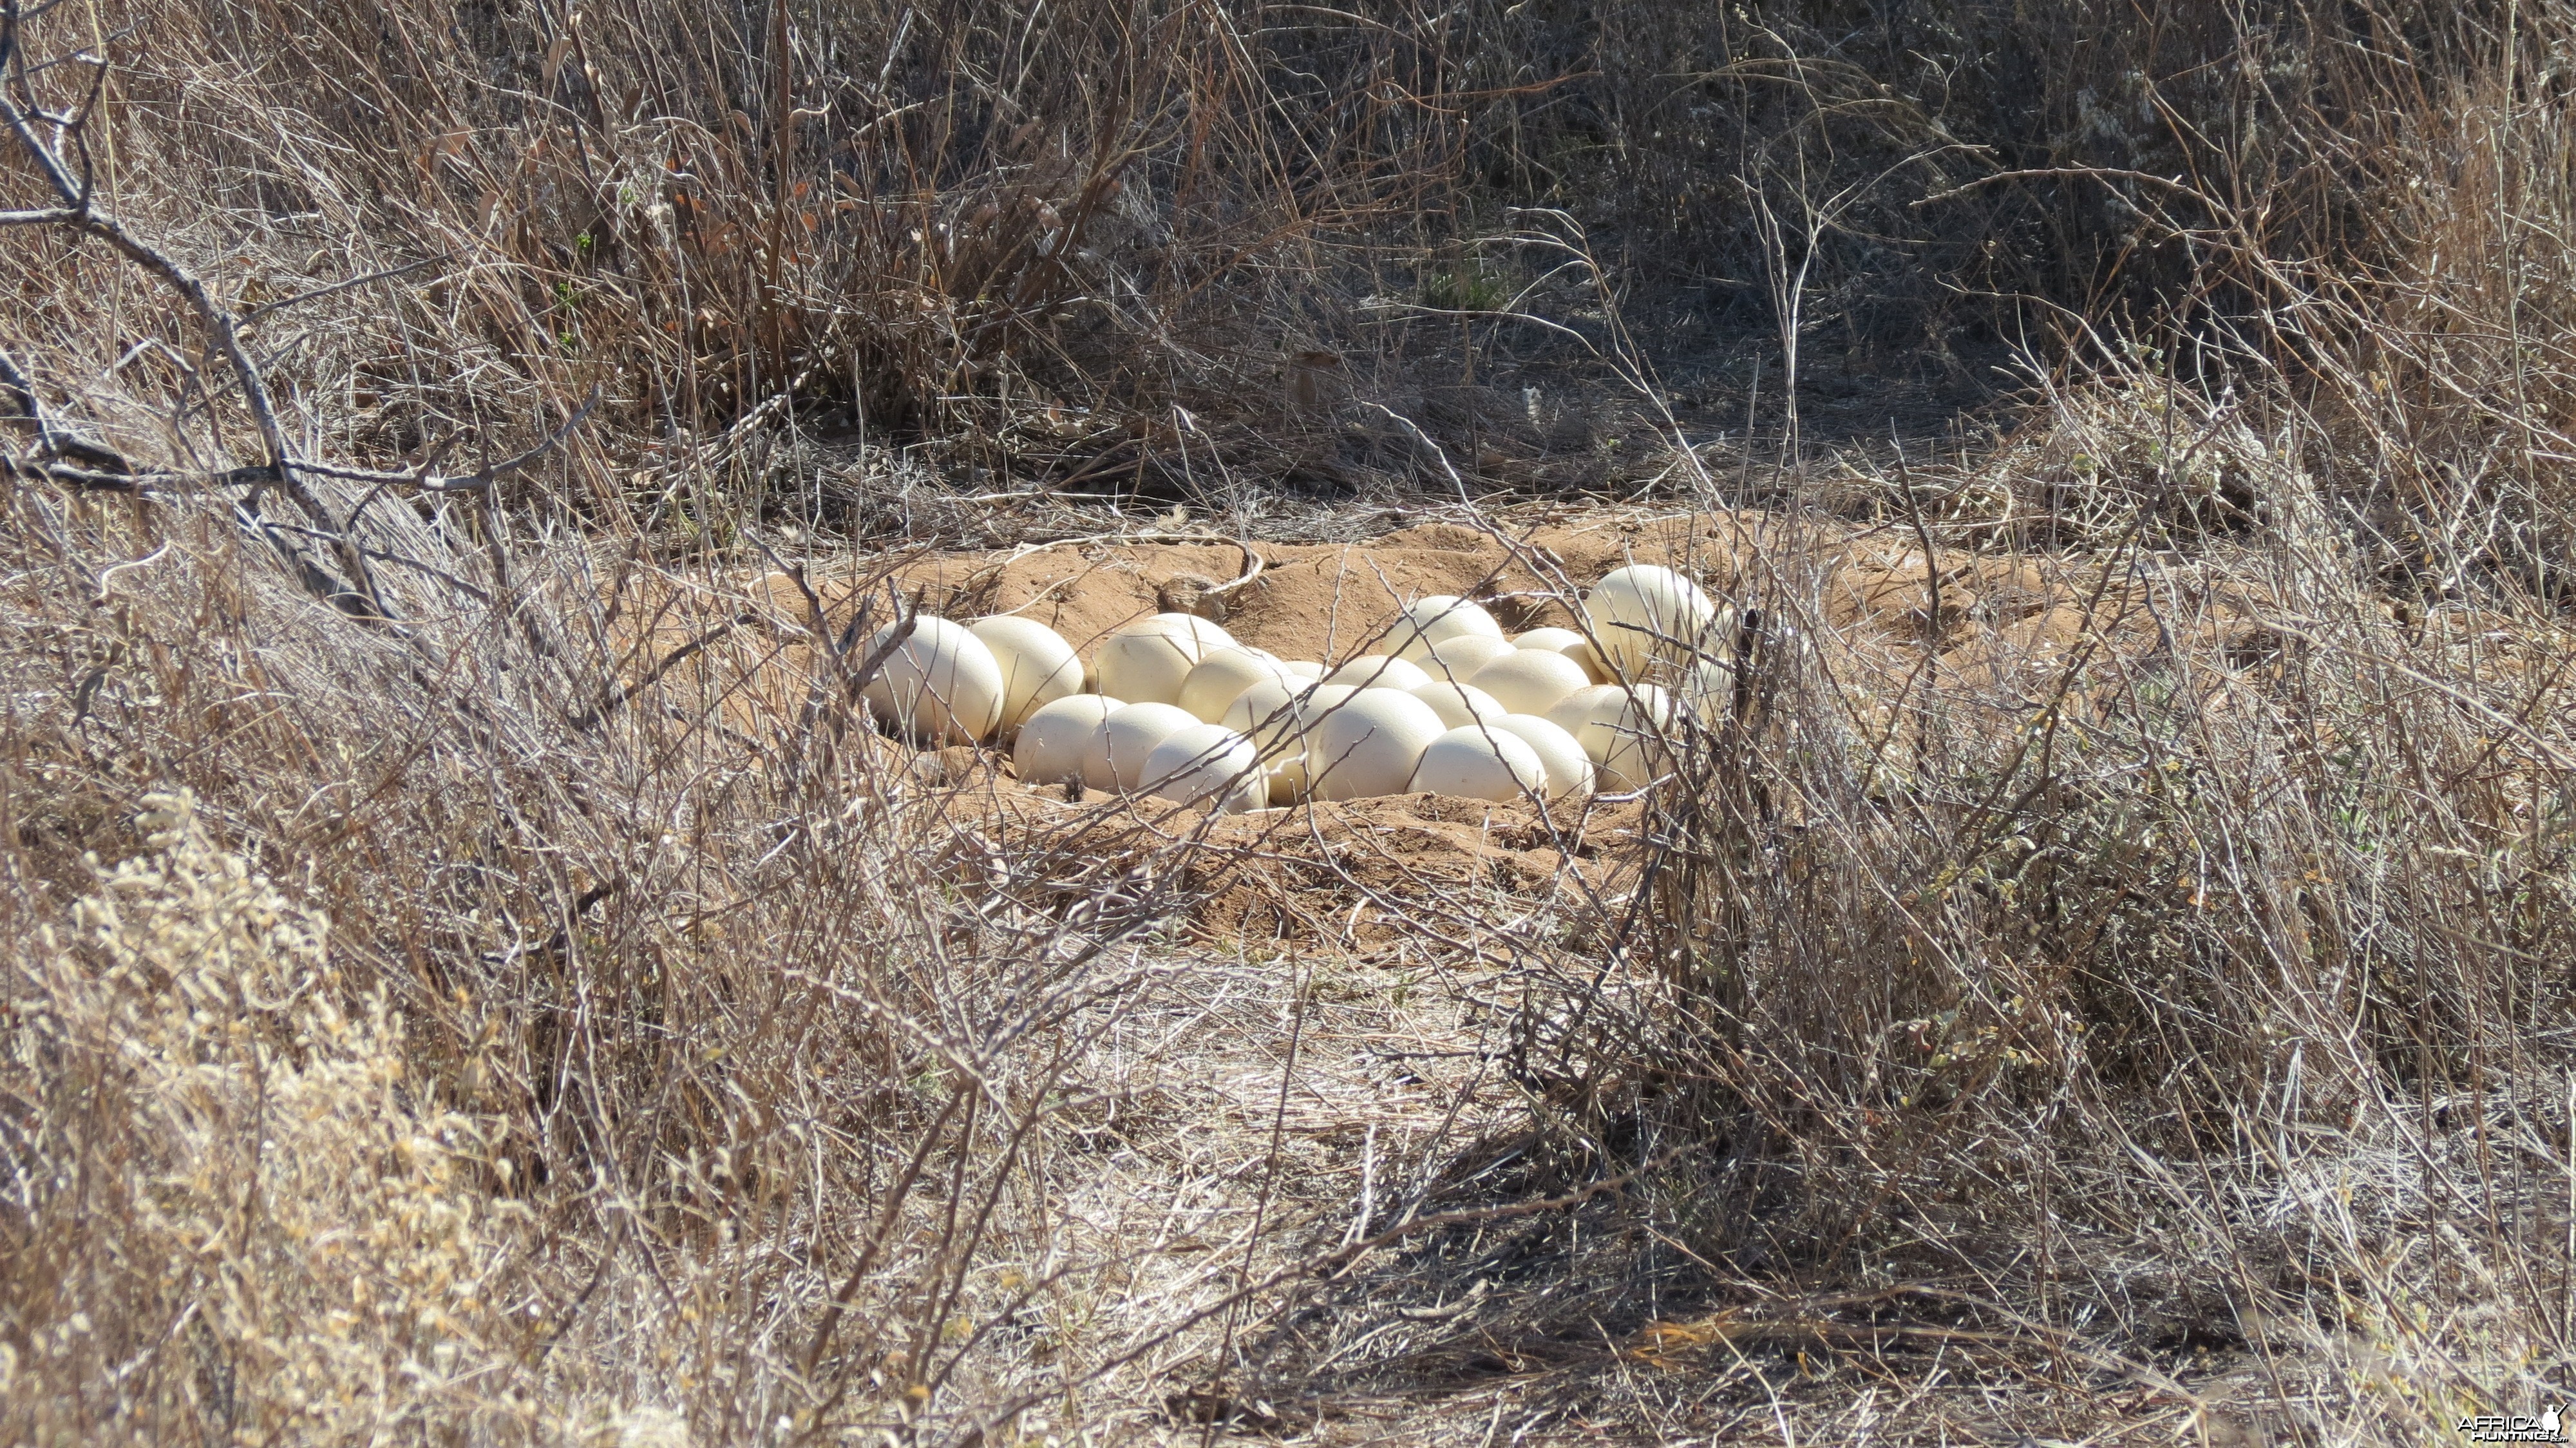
x: 1863, y: 599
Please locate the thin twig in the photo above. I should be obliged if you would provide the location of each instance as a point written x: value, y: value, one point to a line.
x: 254, y: 314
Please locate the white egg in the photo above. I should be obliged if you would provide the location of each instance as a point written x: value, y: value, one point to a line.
x: 1207, y: 764
x: 1708, y: 690
x: 1215, y: 680
x: 1427, y: 621
x: 1457, y: 659
x: 1146, y: 661
x: 1621, y: 730
x: 1530, y: 681
x: 1478, y: 762
x: 1038, y: 666
x: 1054, y: 739
x: 1635, y: 761
x: 1379, y: 671
x: 1569, y: 769
x: 1126, y: 738
x: 1264, y: 703
x: 1369, y: 743
x: 1569, y: 643
x: 1458, y: 704
x: 1262, y: 715
x: 1554, y: 640
x: 1278, y: 716
x: 1305, y: 668
x: 1645, y: 613
x: 940, y: 683
x: 1593, y: 714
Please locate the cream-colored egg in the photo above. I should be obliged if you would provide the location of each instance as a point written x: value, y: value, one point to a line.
x: 1379, y: 671
x: 1426, y: 621
x: 1305, y: 668
x: 1207, y: 764
x: 1622, y: 730
x: 1569, y: 769
x: 1569, y: 643
x: 1263, y: 704
x: 1708, y: 690
x: 1369, y: 743
x: 1038, y: 666
x: 1278, y: 716
x: 1126, y: 739
x: 1262, y: 714
x: 1458, y: 704
x: 1215, y: 680
x: 940, y: 683
x: 1554, y: 640
x: 1146, y: 661
x: 1478, y: 762
x: 1054, y: 739
x: 1530, y: 681
x: 1457, y: 659
x: 1635, y: 760
x: 1645, y: 613
x: 1591, y: 714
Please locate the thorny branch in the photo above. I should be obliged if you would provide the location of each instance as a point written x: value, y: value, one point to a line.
x: 105, y: 471
x: 68, y: 461
x: 357, y: 592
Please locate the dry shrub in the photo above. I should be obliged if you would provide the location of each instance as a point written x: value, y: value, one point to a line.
x: 2143, y: 992
x: 1025, y: 239
x: 282, y: 1213
x: 660, y: 1081
x: 2354, y: 219
x: 2189, y: 976
x: 1020, y: 237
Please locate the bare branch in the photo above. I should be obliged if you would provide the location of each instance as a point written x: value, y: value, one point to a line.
x: 472, y: 482
x: 335, y: 288
x: 358, y: 594
x: 19, y: 391
x: 98, y: 469
x: 56, y: 449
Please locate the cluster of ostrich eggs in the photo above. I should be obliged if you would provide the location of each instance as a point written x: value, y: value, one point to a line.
x: 1173, y: 707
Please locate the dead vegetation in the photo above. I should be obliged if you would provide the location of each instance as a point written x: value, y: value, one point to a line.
x: 474, y: 976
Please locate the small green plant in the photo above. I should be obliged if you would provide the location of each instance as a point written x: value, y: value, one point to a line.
x: 1464, y: 289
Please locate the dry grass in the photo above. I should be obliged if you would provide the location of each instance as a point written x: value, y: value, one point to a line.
x: 2102, y: 975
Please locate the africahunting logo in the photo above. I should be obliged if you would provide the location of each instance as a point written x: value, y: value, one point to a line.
x: 2515, y: 1428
